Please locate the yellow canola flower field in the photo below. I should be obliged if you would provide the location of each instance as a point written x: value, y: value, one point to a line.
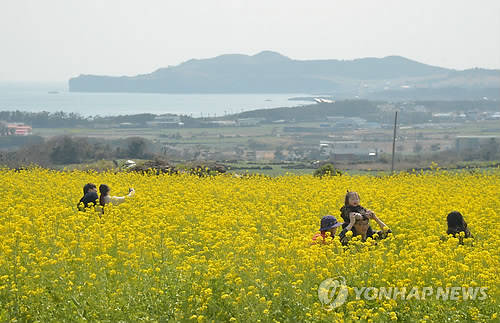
x: 189, y: 248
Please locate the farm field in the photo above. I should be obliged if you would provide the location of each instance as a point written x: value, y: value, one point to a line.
x: 295, y: 141
x: 196, y: 249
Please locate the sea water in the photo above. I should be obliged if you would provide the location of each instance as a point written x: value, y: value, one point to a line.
x: 56, y: 97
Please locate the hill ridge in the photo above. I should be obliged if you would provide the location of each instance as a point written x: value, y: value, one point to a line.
x: 272, y: 72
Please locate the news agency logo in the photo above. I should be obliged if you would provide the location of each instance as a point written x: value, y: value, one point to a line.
x: 333, y: 292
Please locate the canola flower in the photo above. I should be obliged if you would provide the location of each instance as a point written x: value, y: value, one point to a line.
x: 198, y: 249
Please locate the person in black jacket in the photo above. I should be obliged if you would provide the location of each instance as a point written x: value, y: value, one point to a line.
x: 359, y: 225
x: 89, y: 198
x: 456, y: 225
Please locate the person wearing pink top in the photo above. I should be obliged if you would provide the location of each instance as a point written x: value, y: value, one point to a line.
x: 329, y: 224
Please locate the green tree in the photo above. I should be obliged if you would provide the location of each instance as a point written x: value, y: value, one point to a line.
x: 136, y: 147
x: 64, y: 151
x: 327, y: 170
x: 489, y: 151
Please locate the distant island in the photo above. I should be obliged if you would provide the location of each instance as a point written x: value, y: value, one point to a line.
x: 391, y: 77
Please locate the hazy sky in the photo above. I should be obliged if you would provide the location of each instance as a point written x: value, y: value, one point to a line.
x: 54, y: 40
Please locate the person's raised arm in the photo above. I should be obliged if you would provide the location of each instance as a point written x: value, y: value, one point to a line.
x: 379, y: 222
x: 115, y: 200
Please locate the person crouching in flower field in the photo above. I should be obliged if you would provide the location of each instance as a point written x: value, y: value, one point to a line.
x: 359, y: 226
x: 457, y: 226
x: 89, y: 197
x: 329, y: 225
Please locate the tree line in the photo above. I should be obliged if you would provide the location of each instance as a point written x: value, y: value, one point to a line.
x: 64, y: 150
x: 366, y: 109
x: 62, y: 119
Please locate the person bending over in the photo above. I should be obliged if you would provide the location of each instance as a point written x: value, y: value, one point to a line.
x: 457, y: 225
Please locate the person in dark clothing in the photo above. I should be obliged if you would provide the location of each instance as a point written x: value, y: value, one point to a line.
x: 89, y: 187
x: 352, y: 205
x: 359, y: 225
x: 89, y: 197
x: 456, y: 225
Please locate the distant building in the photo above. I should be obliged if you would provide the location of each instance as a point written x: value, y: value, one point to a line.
x: 420, y: 108
x: 224, y: 123
x: 494, y: 116
x: 346, y: 150
x: 387, y: 107
x: 248, y: 122
x: 166, y: 121
x: 323, y: 100
x: 128, y: 125
x: 444, y: 116
x: 19, y: 129
x: 264, y: 155
x: 351, y: 122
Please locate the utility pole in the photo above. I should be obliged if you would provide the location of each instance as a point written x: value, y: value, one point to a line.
x: 394, y: 142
